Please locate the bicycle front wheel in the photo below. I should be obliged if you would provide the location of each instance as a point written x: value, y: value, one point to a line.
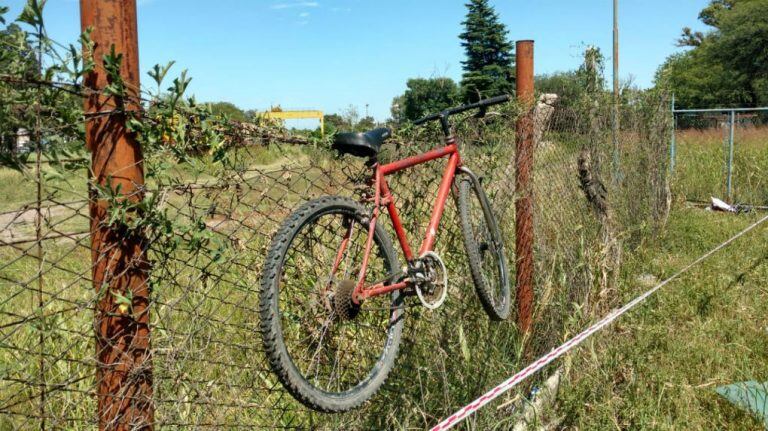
x: 329, y: 353
x: 485, y: 249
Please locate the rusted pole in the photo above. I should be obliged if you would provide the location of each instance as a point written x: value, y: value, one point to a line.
x: 524, y: 185
x: 120, y: 268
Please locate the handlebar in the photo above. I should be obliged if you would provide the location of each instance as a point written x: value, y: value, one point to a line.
x: 451, y: 111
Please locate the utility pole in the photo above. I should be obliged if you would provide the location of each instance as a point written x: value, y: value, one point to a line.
x: 616, y: 90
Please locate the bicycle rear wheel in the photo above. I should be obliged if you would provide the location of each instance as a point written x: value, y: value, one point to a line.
x: 485, y: 249
x: 329, y: 353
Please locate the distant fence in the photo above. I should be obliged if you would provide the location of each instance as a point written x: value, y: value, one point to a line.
x: 721, y: 153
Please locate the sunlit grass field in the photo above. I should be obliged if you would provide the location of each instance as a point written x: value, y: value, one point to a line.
x: 701, y: 165
x: 658, y: 367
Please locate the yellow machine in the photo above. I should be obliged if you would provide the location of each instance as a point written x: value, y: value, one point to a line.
x: 276, y: 113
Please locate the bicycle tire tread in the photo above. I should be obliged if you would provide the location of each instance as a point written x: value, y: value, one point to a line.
x: 274, y: 347
x: 473, y: 256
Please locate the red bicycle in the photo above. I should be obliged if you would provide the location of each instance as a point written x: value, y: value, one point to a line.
x: 332, y: 290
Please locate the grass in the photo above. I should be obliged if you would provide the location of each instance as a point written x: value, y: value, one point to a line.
x: 20, y: 189
x: 210, y: 368
x: 657, y: 368
x: 701, y: 165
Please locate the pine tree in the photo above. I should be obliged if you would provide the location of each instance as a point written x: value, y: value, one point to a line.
x: 489, y: 67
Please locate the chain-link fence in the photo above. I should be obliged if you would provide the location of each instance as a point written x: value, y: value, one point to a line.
x: 208, y: 366
x: 587, y: 211
x: 722, y: 154
x: 187, y: 346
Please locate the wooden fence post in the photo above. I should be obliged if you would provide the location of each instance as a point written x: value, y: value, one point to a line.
x: 524, y: 185
x: 120, y: 268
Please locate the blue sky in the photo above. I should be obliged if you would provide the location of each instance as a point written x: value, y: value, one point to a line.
x: 330, y: 54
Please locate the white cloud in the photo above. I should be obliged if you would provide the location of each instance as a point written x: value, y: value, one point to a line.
x: 301, y: 4
x: 303, y: 14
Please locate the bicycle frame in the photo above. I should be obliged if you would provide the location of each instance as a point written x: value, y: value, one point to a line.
x: 384, y: 197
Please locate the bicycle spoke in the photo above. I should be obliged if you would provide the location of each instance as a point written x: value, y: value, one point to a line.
x: 332, y: 353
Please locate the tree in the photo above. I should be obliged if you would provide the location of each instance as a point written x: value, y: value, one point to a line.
x: 423, y: 97
x: 365, y: 124
x: 489, y: 67
x: 348, y: 121
x: 741, y: 42
x: 334, y: 122
x: 566, y: 85
x: 574, y: 87
x: 727, y: 66
x: 591, y: 74
x: 711, y: 14
x: 697, y: 82
x: 229, y: 110
x: 28, y: 56
x: 17, y: 59
x: 351, y: 116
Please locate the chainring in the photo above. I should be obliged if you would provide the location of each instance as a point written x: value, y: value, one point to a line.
x: 433, y: 290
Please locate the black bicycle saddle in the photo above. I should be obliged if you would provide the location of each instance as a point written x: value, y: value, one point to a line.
x: 365, y: 144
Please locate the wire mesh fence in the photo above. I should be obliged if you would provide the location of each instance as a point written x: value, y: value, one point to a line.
x: 188, y: 353
x: 588, y: 211
x: 208, y: 365
x: 721, y: 154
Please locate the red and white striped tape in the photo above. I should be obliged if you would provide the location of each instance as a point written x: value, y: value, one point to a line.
x: 559, y: 351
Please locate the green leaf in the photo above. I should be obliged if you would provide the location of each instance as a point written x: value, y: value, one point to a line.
x: 120, y: 299
x: 87, y: 58
x: 112, y: 65
x: 33, y: 13
x: 158, y: 72
x: 3, y: 11
x: 50, y: 174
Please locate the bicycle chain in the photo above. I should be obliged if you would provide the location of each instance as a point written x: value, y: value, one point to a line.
x: 400, y: 307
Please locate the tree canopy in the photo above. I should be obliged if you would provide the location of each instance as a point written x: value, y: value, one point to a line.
x: 727, y: 66
x: 489, y: 67
x: 228, y: 110
x: 425, y: 96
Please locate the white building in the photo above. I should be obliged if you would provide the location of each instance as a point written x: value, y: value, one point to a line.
x: 23, y: 141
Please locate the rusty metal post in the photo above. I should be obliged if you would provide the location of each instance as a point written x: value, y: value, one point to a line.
x: 524, y: 185
x: 120, y: 268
